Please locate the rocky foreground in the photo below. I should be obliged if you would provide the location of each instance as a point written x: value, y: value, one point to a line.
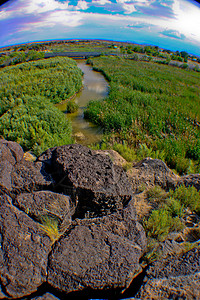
x: 69, y: 228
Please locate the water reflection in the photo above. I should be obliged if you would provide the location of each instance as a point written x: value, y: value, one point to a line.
x: 95, y: 88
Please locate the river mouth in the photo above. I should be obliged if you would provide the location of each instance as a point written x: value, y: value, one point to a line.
x: 95, y: 87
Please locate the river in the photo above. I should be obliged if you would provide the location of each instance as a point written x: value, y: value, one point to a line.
x: 95, y: 87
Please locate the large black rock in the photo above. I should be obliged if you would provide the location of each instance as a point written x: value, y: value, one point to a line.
x: 173, y: 277
x: 23, y: 253
x: 100, y: 253
x: 96, y: 185
x: 46, y: 204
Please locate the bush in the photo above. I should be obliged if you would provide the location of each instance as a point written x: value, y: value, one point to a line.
x: 27, y: 94
x: 126, y: 152
x: 144, y: 152
x: 157, y: 193
x: 160, y: 223
x: 174, y: 207
x: 188, y: 197
x: 155, y: 105
x: 71, y: 107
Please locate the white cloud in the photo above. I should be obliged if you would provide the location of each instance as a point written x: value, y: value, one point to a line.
x: 173, y: 34
x: 123, y: 1
x: 56, y: 18
x: 49, y: 13
x: 82, y: 5
x: 128, y: 8
x: 101, y: 2
x: 5, y: 14
x: 187, y: 19
x: 34, y: 7
x: 41, y: 6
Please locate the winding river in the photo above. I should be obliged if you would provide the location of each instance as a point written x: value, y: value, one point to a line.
x: 95, y: 87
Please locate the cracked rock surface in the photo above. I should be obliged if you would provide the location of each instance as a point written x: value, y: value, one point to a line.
x: 46, y: 203
x: 99, y: 253
x: 23, y: 253
x: 175, y: 277
x: 150, y: 172
x: 96, y: 185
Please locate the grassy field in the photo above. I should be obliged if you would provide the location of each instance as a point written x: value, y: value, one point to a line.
x: 28, y: 92
x: 154, y: 109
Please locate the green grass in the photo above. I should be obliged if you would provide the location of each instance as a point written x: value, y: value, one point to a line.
x: 187, y: 197
x: 71, y: 107
x: 28, y: 92
x: 161, y: 223
x: 51, y: 227
x: 154, y: 108
x: 167, y: 215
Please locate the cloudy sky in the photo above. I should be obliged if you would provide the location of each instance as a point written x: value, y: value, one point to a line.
x: 171, y: 24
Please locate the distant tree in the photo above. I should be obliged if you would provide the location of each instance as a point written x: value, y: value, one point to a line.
x: 184, y: 55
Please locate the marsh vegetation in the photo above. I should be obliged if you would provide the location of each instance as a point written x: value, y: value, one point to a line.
x: 153, y: 109
x: 28, y: 92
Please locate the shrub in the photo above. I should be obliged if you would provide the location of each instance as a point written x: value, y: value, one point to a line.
x: 188, y: 196
x: 144, y: 152
x: 71, y: 107
x: 174, y: 207
x: 27, y: 94
x: 126, y: 152
x: 155, y: 105
x: 160, y: 223
x: 157, y: 192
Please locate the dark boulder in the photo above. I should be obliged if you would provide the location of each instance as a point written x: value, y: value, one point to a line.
x: 149, y: 172
x: 24, y: 251
x: 44, y: 204
x: 30, y: 176
x: 6, y: 169
x: 190, y: 180
x: 46, y: 296
x: 96, y: 185
x: 100, y: 253
x: 10, y: 151
x: 174, y: 277
x: 10, y: 154
x: 18, y: 175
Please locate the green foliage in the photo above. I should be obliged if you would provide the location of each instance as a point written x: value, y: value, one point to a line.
x: 156, y: 105
x: 169, y: 208
x: 17, y: 57
x: 126, y: 152
x: 71, y: 106
x: 36, y: 124
x: 27, y: 94
x: 184, y: 66
x: 166, y: 216
x: 185, y: 55
x: 156, y: 193
x: 174, y: 207
x: 144, y: 152
x: 188, y: 197
x: 176, y: 57
x: 160, y: 223
x: 50, y: 226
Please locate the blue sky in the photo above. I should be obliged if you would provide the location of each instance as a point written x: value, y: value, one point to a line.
x: 171, y: 24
